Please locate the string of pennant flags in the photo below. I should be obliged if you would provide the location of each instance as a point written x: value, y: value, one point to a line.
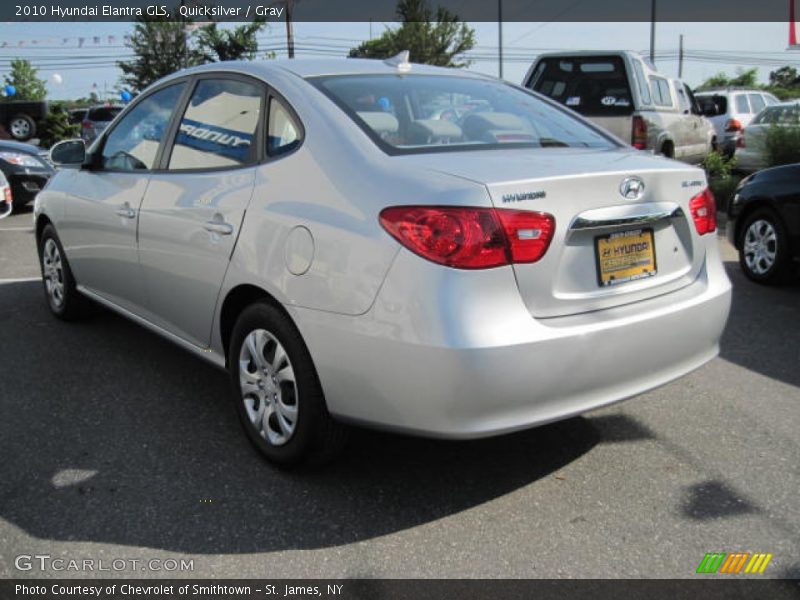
x: 95, y: 40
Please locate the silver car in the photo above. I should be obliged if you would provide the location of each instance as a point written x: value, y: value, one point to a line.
x: 348, y: 257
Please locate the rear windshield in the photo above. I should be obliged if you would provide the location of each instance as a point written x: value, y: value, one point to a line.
x: 712, y: 106
x: 779, y: 115
x: 421, y: 113
x: 592, y: 85
x: 106, y: 113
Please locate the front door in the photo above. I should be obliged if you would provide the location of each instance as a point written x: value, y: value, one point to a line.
x: 101, y: 213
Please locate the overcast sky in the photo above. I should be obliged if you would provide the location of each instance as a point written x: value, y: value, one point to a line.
x: 743, y: 41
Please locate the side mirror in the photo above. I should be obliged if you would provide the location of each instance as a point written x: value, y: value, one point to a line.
x: 68, y: 152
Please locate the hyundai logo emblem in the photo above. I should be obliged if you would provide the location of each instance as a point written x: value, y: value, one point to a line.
x: 632, y: 188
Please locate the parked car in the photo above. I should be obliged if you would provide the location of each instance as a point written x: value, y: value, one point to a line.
x: 19, y: 118
x: 349, y: 259
x: 764, y: 223
x: 751, y: 146
x: 5, y: 197
x: 731, y: 110
x: 97, y: 119
x: 78, y: 115
x: 623, y: 93
x: 27, y: 169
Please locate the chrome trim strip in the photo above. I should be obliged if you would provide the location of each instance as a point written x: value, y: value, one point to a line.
x: 625, y: 215
x: 206, y: 354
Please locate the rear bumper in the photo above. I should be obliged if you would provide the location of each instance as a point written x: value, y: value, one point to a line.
x: 466, y: 359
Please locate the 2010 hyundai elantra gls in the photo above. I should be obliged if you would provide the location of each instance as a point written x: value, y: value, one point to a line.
x: 399, y: 246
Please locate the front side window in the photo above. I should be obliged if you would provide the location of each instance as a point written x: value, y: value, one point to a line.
x: 133, y: 143
x: 779, y: 115
x: 417, y: 113
x: 219, y: 126
x: 757, y: 102
x: 283, y: 133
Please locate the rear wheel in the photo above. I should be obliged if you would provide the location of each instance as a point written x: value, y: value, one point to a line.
x: 668, y: 150
x: 62, y: 297
x: 763, y: 248
x: 276, y: 391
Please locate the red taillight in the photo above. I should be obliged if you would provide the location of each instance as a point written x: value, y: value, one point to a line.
x: 704, y: 212
x: 740, y: 140
x: 732, y: 125
x: 7, y: 194
x: 639, y: 133
x: 470, y: 238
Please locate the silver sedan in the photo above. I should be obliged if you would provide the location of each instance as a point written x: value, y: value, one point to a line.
x: 351, y: 256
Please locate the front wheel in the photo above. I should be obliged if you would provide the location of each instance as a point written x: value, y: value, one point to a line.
x: 763, y: 249
x: 63, y: 298
x: 276, y: 391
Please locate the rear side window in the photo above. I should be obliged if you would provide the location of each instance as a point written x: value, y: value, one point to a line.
x: 757, y: 102
x: 742, y: 106
x: 641, y: 79
x: 219, y: 126
x: 283, y: 133
x: 661, y: 93
x: 133, y: 143
x: 592, y: 86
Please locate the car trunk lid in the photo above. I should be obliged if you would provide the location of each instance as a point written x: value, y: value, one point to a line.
x: 597, y: 228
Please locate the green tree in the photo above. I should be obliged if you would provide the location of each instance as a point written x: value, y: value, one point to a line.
x: 439, y: 39
x: 23, y: 76
x: 55, y: 126
x: 161, y: 47
x: 217, y: 44
x: 744, y: 78
x: 785, y: 77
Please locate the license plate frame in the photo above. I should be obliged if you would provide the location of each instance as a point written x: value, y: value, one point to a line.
x: 636, y: 262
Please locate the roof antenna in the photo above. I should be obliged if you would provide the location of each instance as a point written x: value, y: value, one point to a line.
x: 400, y: 61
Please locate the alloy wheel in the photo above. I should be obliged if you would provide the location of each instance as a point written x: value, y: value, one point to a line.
x: 268, y: 387
x: 760, y: 246
x: 53, y: 272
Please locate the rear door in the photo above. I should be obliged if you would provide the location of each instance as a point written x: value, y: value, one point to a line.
x: 195, y: 204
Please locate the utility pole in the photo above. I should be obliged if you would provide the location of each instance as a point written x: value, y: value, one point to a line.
x: 500, y: 37
x: 289, y: 29
x: 680, y: 57
x: 653, y: 31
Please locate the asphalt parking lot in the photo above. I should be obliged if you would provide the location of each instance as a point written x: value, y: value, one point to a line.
x: 115, y: 444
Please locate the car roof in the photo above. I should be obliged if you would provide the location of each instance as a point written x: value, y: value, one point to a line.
x: 324, y: 66
x: 721, y: 91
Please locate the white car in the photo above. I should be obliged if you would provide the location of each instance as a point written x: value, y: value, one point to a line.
x: 348, y: 257
x: 751, y: 146
x: 731, y: 110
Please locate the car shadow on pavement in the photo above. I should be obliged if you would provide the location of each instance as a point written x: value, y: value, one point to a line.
x: 111, y: 434
x: 763, y: 328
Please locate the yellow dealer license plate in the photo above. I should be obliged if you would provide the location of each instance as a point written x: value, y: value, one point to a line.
x: 625, y: 256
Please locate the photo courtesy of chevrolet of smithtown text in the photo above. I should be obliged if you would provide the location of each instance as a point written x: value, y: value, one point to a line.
x: 399, y: 299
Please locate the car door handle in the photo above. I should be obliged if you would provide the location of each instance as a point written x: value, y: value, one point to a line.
x: 126, y: 211
x: 219, y: 227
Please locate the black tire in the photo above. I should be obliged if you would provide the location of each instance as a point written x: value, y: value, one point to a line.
x: 759, y: 224
x: 317, y: 438
x: 72, y: 305
x: 21, y: 127
x: 668, y: 150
